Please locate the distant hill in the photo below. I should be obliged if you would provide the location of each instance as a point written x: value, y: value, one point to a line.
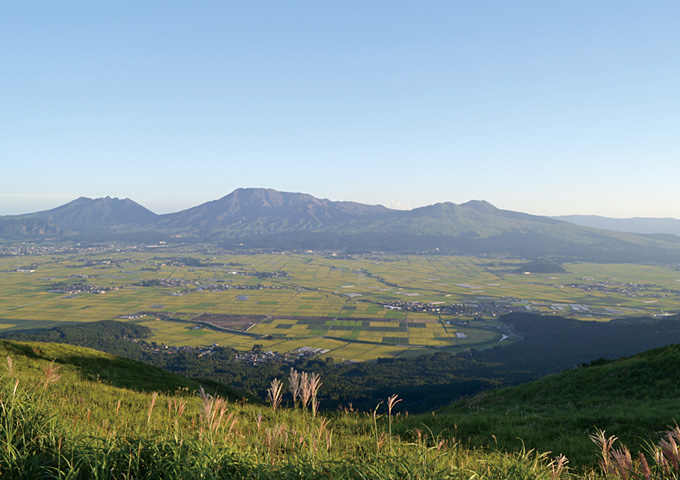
x: 16, y: 227
x: 542, y: 265
x: 256, y: 218
x: 670, y: 226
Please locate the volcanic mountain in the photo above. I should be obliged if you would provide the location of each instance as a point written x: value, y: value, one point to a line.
x: 256, y: 211
x: 264, y: 218
x: 85, y: 214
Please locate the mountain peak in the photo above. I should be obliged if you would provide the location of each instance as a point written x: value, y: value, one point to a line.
x: 88, y: 213
x: 480, y: 206
x: 265, y: 210
x: 267, y: 217
x: 264, y: 197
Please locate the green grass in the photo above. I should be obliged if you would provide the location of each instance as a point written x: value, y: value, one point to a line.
x: 69, y: 412
x: 634, y: 398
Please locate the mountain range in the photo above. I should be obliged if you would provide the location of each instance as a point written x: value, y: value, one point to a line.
x: 265, y: 218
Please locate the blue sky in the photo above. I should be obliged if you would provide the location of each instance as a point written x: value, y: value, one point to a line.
x: 559, y: 107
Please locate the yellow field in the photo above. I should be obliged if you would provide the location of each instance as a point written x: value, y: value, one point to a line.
x: 321, y: 296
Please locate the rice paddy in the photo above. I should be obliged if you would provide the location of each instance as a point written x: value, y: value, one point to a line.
x: 314, y: 300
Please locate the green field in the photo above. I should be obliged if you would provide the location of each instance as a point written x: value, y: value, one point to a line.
x: 336, y: 304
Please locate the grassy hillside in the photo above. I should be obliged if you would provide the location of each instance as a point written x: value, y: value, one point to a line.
x: 86, y: 365
x: 59, y: 420
x: 635, y: 398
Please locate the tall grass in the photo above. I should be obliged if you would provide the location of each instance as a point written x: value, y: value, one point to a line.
x: 662, y: 461
x: 56, y: 425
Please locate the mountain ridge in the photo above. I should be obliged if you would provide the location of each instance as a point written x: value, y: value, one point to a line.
x: 267, y: 218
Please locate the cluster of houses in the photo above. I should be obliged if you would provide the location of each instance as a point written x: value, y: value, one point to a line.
x: 486, y: 308
x: 25, y: 249
x: 627, y: 289
x: 27, y: 268
x: 156, y: 349
x: 221, y: 287
x: 256, y: 356
x: 82, y: 288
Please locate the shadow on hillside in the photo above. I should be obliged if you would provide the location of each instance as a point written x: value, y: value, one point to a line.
x: 22, y: 350
x: 124, y: 373
x: 132, y: 375
x: 120, y: 372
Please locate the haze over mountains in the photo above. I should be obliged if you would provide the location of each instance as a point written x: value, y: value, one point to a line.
x: 631, y: 225
x: 266, y: 218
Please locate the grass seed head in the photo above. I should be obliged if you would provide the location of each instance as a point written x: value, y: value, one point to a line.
x: 51, y: 374
x: 391, y: 402
x: 152, y: 404
x: 294, y: 384
x: 622, y: 463
x: 213, y: 409
x: 644, y: 467
x: 10, y: 366
x: 557, y: 466
x: 605, y: 443
x: 274, y: 393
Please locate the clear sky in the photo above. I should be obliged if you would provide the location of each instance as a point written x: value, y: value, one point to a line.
x: 547, y: 107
